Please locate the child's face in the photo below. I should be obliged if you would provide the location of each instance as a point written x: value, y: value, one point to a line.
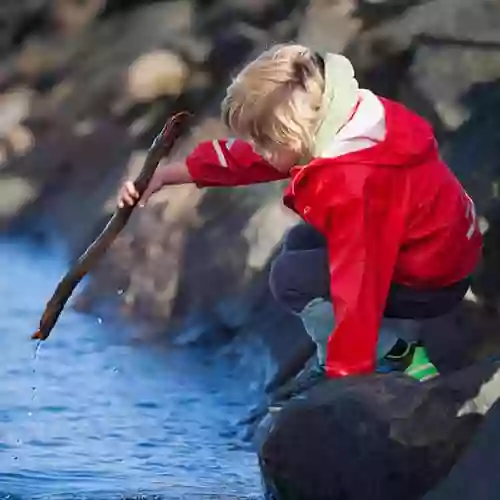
x: 280, y: 157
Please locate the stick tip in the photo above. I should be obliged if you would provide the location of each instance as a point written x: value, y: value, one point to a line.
x: 37, y: 336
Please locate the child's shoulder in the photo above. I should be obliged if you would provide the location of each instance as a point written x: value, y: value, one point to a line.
x: 323, y: 175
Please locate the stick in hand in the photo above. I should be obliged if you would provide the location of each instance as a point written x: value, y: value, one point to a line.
x: 161, y: 146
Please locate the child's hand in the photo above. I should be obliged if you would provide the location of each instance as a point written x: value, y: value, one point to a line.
x: 128, y: 194
x: 167, y: 175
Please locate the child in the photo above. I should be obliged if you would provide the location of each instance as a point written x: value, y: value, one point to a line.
x: 390, y: 231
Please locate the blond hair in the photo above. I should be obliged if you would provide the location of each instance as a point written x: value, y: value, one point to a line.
x: 276, y: 99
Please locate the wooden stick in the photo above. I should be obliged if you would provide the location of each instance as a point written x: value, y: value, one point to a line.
x: 161, y: 146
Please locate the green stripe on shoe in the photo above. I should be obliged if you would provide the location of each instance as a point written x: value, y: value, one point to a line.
x: 421, y: 367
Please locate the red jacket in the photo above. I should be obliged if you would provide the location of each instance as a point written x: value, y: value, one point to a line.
x: 392, y: 212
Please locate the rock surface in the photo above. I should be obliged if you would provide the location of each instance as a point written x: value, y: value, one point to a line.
x: 379, y: 437
x: 476, y: 473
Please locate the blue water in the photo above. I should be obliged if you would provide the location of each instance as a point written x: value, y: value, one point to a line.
x: 95, y: 415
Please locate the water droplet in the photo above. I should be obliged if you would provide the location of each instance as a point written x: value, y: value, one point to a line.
x: 30, y: 414
x: 99, y: 320
x: 37, y: 348
x: 120, y: 291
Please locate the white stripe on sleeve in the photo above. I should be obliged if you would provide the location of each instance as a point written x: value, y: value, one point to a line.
x: 220, y: 154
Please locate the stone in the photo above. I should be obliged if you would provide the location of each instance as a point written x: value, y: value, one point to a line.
x: 263, y: 14
x: 14, y: 108
x: 329, y: 26
x: 476, y: 473
x: 21, y: 140
x: 379, y: 437
x: 17, y: 17
x: 233, y: 46
x: 71, y: 16
x: 15, y: 194
x: 157, y: 74
x: 453, y: 44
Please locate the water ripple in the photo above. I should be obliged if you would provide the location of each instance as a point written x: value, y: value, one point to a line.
x: 93, y: 417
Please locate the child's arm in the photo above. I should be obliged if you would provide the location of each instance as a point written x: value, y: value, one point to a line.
x: 212, y: 163
x: 229, y: 162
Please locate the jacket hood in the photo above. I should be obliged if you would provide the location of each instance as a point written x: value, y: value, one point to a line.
x: 383, y: 132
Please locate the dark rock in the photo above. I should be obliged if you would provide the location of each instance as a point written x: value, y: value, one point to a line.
x: 376, y: 11
x: 476, y: 473
x: 473, y: 151
x: 63, y: 169
x: 378, y: 437
x: 17, y: 19
x: 233, y: 46
x: 260, y: 13
x: 69, y: 16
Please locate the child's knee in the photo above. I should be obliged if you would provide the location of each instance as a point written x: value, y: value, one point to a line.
x: 303, y: 237
x: 280, y: 284
x: 286, y: 286
x: 297, y: 277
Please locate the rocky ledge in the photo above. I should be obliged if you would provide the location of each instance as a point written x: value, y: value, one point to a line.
x: 384, y: 437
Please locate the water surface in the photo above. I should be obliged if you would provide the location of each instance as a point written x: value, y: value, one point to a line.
x: 95, y: 415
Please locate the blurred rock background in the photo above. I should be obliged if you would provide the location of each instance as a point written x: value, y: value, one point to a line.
x: 86, y: 84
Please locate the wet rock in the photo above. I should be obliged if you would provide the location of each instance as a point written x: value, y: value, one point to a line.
x: 378, y: 437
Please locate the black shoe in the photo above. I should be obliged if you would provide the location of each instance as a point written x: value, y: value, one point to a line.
x: 398, y: 358
x: 305, y: 380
